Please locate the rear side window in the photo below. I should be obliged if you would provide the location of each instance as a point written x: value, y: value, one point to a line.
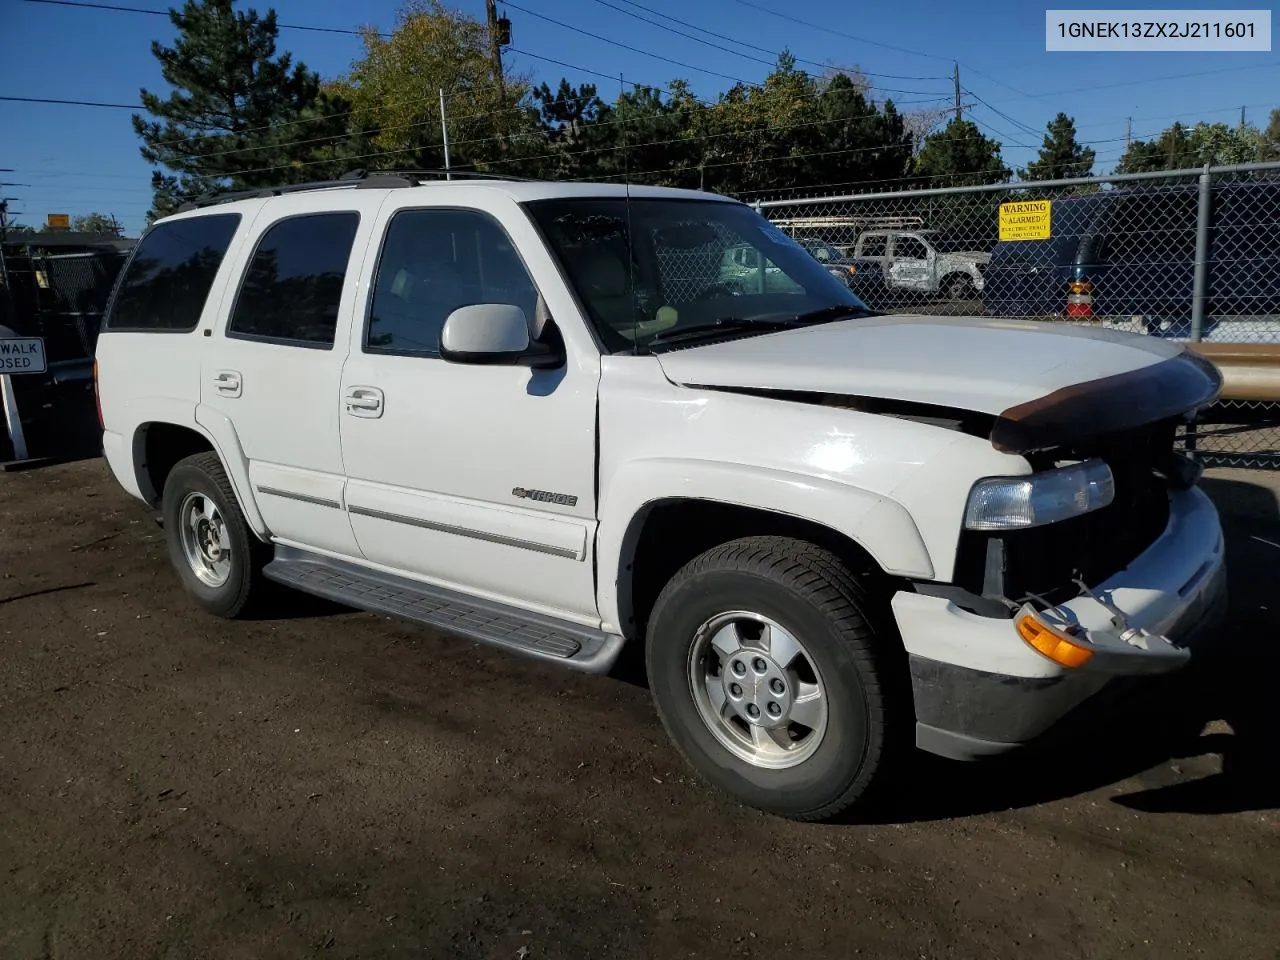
x: 875, y: 245
x: 293, y: 285
x: 1156, y: 227
x: 167, y: 282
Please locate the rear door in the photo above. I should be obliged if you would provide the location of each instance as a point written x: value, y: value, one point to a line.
x: 273, y: 365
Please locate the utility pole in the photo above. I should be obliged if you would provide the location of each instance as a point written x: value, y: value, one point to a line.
x: 1242, y: 106
x: 955, y: 75
x: 1128, y: 131
x: 495, y: 45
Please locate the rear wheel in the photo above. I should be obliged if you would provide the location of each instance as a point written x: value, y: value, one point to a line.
x: 771, y: 680
x: 210, y: 544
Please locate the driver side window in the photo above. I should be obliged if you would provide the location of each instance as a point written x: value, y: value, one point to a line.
x: 909, y: 248
x: 432, y: 263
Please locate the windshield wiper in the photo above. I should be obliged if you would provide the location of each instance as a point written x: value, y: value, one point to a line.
x: 724, y: 325
x: 833, y: 312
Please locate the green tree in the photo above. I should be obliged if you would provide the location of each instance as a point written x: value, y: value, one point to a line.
x: 238, y: 114
x: 394, y: 89
x: 1269, y: 139
x: 565, y: 136
x: 100, y: 223
x: 959, y: 155
x: 1061, y: 155
x: 1180, y: 147
x: 1217, y: 143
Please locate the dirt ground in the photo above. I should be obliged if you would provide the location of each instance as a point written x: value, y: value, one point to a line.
x: 336, y: 784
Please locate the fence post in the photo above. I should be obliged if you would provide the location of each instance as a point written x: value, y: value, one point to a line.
x: 1202, y: 256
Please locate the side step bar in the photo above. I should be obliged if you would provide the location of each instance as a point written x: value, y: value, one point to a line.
x: 518, y: 631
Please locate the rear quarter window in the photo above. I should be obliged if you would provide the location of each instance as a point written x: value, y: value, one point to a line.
x: 166, y: 284
x: 1154, y: 226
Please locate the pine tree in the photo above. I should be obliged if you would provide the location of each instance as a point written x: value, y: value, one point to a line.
x: 1061, y: 155
x: 239, y: 115
x: 959, y: 155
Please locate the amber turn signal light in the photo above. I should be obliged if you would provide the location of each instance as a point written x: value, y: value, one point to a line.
x: 1058, y: 647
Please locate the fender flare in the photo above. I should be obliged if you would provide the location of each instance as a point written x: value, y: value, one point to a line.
x: 222, y: 434
x: 878, y: 524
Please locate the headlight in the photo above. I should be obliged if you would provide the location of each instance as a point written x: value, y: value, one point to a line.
x: 1014, y: 503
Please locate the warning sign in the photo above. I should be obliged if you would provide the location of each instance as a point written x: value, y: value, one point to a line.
x: 58, y: 221
x: 1025, y: 220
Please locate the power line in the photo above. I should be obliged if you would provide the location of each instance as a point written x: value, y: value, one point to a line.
x: 826, y: 28
x: 1000, y: 113
x: 1145, y: 80
x: 774, y: 53
x: 72, y: 103
x: 164, y: 13
x: 625, y: 46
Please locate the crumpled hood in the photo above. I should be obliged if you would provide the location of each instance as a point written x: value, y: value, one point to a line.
x: 1019, y: 370
x: 983, y: 365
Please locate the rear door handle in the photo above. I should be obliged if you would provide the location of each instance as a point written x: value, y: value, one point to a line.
x: 228, y: 383
x: 364, y: 402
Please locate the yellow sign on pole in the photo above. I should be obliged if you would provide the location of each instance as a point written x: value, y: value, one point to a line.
x: 1025, y: 220
x: 59, y: 221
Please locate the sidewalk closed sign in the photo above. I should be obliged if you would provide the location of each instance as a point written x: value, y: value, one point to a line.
x: 22, y: 355
x: 1025, y: 220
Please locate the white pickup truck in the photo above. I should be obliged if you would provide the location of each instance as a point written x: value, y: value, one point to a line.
x: 910, y: 261
x: 535, y: 415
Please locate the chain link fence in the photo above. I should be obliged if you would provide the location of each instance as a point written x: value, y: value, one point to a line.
x: 1188, y: 255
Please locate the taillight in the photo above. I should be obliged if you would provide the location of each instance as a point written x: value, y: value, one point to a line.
x: 1080, y: 298
x: 97, y: 397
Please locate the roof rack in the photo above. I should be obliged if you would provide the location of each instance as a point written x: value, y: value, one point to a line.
x: 366, y: 179
x: 420, y: 175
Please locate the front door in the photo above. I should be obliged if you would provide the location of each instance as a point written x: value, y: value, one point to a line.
x: 476, y: 478
x: 274, y: 369
x: 911, y: 266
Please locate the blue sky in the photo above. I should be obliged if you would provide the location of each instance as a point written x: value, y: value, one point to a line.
x: 74, y: 159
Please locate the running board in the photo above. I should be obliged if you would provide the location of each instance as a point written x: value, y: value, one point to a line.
x: 485, y: 621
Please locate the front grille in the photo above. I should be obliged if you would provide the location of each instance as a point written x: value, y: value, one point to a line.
x: 1044, y: 561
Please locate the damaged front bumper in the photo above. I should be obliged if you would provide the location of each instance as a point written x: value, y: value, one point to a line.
x: 986, y: 684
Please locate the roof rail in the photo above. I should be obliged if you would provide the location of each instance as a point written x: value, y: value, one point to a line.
x: 369, y: 179
x: 417, y: 176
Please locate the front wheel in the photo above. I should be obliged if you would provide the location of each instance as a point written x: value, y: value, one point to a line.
x: 771, y: 680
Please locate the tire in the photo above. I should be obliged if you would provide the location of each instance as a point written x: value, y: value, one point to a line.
x: 807, y: 592
x: 959, y: 287
x: 200, y: 480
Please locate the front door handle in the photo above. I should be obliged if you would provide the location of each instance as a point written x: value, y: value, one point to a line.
x: 228, y: 383
x: 364, y: 402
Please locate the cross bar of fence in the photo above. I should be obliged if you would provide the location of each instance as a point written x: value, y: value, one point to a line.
x: 1032, y: 185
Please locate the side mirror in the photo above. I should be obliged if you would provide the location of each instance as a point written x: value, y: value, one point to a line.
x: 494, y: 334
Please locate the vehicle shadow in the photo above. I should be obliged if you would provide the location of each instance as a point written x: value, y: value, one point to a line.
x: 1199, y: 742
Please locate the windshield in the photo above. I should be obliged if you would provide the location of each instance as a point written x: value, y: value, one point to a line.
x: 647, y: 269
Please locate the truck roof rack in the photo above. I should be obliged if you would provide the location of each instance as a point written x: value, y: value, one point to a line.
x: 418, y: 176
x: 360, y: 178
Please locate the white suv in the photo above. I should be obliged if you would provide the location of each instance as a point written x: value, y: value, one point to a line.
x: 534, y: 414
